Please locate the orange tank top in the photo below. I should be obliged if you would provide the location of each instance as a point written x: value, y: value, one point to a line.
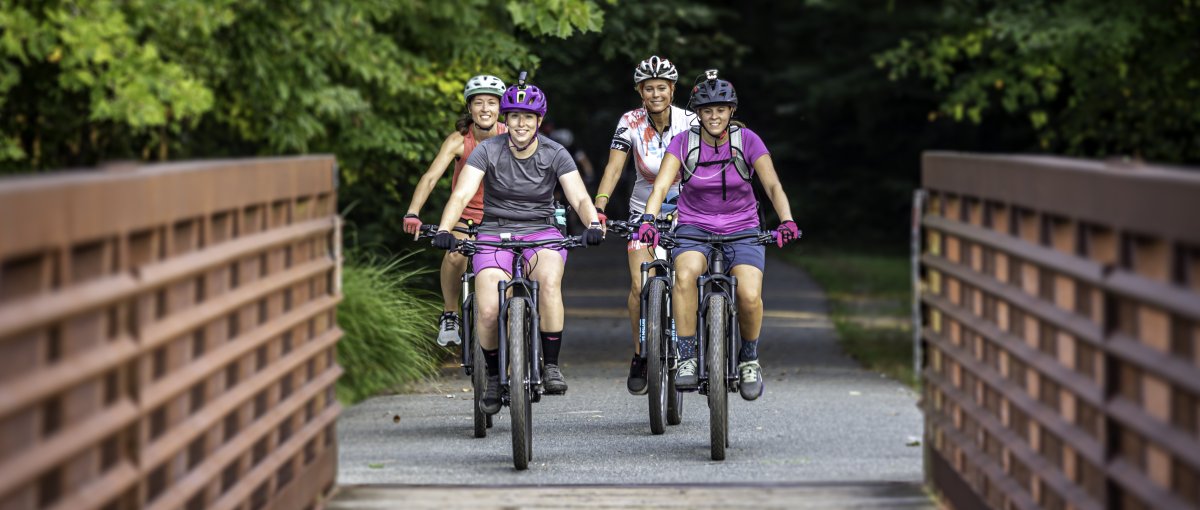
x: 474, y: 209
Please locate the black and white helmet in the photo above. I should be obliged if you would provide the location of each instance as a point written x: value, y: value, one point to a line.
x: 655, y: 67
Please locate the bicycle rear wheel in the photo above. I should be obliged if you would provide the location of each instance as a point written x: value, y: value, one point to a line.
x: 718, y: 396
x: 518, y: 383
x: 656, y: 354
x: 478, y: 366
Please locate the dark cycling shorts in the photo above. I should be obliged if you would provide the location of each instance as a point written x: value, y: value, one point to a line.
x: 739, y: 253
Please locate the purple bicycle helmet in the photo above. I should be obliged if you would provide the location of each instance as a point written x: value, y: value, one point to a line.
x: 524, y: 98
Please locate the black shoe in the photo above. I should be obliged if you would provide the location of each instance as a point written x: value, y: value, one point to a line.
x: 553, y: 381
x: 637, y: 376
x: 490, y: 403
x: 686, y: 376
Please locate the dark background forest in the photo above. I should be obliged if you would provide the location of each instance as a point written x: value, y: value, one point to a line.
x: 846, y: 94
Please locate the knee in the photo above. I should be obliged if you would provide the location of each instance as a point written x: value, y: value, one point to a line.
x: 456, y: 260
x: 487, y: 313
x: 749, y: 295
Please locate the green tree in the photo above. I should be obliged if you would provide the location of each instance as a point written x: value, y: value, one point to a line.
x: 376, y: 82
x: 1092, y: 77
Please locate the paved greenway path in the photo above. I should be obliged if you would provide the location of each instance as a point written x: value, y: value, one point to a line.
x: 827, y: 434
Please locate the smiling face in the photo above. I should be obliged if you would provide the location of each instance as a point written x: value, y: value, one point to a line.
x: 522, y: 127
x: 656, y: 94
x: 715, y: 118
x: 485, y: 110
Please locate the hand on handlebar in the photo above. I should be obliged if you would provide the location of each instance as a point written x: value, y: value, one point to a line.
x: 412, y: 224
x: 648, y: 232
x: 786, y: 233
x: 444, y: 240
x: 594, y: 234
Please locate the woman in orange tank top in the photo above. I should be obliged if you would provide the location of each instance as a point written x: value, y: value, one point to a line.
x: 478, y: 123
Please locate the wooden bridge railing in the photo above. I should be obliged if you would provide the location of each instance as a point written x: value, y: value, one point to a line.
x: 167, y: 336
x: 1061, y: 310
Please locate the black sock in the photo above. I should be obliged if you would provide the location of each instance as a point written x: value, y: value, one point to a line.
x: 749, y: 350
x: 491, y: 358
x: 687, y: 347
x: 551, y: 343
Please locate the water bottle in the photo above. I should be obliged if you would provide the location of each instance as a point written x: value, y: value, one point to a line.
x: 560, y: 217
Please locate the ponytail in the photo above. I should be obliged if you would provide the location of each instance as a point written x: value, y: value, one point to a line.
x: 463, y: 124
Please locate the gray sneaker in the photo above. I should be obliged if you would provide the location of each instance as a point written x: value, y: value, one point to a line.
x: 686, y: 377
x: 553, y: 381
x: 448, y: 329
x: 751, y: 379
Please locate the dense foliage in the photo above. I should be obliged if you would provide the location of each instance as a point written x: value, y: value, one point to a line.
x: 1093, y: 77
x: 846, y: 94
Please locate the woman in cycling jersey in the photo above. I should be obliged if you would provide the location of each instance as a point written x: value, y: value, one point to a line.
x: 716, y: 198
x: 519, y: 171
x: 645, y: 132
x: 478, y: 123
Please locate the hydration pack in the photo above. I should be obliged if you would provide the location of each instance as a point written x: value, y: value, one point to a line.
x: 737, y: 155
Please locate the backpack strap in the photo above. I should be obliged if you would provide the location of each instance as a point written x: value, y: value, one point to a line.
x: 737, y: 153
x: 692, y: 152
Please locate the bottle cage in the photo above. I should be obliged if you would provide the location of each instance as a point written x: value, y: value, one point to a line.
x: 738, y: 156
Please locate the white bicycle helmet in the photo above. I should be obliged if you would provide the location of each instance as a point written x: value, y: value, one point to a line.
x: 483, y: 84
x: 655, y: 67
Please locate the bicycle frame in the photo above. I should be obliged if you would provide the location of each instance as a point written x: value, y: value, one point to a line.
x: 717, y: 281
x: 523, y: 288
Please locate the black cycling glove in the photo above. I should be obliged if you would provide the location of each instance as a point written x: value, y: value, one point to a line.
x: 444, y: 240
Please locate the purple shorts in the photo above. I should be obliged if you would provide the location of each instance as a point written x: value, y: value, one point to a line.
x: 488, y: 256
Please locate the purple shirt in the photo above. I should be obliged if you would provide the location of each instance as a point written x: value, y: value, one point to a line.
x: 700, y: 199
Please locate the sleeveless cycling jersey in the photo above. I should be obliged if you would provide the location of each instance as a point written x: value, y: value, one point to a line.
x: 474, y: 209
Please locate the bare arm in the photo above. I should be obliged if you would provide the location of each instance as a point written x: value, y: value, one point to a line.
x: 765, y: 168
x: 452, y: 147
x: 468, y: 182
x: 576, y: 192
x: 612, y: 174
x: 662, y: 184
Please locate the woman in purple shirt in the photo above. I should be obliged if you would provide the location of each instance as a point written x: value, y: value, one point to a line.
x: 717, y: 199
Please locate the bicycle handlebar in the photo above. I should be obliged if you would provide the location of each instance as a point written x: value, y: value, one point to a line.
x: 670, y: 239
x: 429, y: 230
x: 471, y: 246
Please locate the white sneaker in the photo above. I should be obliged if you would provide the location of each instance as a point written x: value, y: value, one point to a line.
x: 448, y: 329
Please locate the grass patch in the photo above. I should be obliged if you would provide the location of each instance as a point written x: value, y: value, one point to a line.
x: 388, y: 323
x: 870, y: 300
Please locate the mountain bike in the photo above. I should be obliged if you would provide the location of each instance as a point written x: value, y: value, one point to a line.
x: 470, y: 353
x: 519, y: 344
x: 718, y: 335
x: 657, y: 332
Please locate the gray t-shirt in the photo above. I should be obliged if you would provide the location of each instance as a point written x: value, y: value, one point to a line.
x: 520, y: 189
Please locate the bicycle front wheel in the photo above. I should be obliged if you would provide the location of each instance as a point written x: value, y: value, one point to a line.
x: 518, y: 383
x: 656, y: 353
x: 718, y: 396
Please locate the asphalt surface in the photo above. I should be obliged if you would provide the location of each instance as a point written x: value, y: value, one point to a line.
x: 822, y: 420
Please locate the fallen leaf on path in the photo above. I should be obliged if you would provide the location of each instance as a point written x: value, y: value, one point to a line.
x: 856, y: 393
x: 913, y: 441
x: 396, y: 418
x: 375, y: 465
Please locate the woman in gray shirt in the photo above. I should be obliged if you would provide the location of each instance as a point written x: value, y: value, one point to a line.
x: 519, y: 171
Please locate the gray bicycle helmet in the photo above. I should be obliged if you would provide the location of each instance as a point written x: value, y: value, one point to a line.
x: 712, y: 91
x: 483, y: 84
x: 655, y: 67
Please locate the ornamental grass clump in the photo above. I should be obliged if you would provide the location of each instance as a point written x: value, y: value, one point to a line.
x: 389, y: 327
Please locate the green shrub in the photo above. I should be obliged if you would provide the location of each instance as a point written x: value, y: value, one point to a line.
x: 389, y: 327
